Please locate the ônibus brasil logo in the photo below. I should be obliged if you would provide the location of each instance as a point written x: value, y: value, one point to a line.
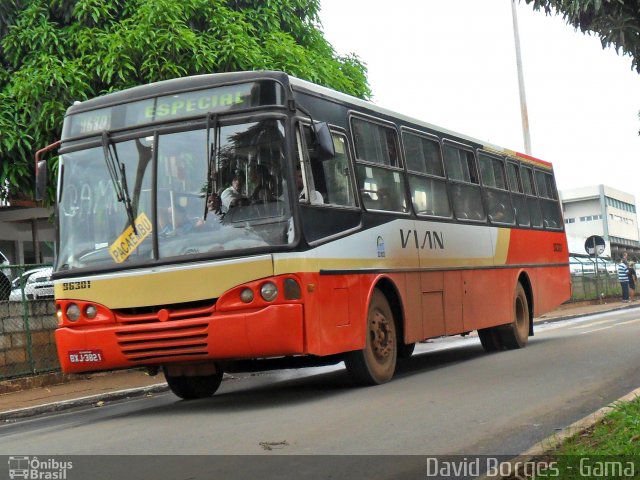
x: 32, y: 468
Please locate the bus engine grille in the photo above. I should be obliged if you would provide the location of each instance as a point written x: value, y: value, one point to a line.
x: 174, y: 341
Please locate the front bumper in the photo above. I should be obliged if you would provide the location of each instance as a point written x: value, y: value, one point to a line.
x: 276, y: 330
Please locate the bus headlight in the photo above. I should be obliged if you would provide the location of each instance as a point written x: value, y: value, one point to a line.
x: 246, y: 295
x: 269, y: 291
x: 91, y: 311
x: 73, y: 312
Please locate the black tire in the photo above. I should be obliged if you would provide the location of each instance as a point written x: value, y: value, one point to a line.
x: 376, y: 363
x: 405, y: 350
x: 490, y: 339
x: 191, y: 388
x: 516, y: 334
x: 513, y: 335
x: 5, y: 287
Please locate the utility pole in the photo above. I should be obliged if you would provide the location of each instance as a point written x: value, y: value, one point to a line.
x: 523, y: 98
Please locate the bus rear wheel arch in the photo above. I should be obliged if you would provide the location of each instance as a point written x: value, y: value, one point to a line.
x: 191, y: 382
x: 376, y: 363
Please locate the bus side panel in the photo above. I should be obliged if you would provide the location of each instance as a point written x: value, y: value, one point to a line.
x: 453, y: 294
x: 487, y: 297
x: 416, y: 312
x: 538, y: 246
x: 553, y: 289
x: 432, y: 295
x: 334, y: 313
x: 413, y: 309
x: 551, y: 284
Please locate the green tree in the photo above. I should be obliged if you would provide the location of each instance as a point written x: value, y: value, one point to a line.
x: 616, y: 22
x: 53, y: 52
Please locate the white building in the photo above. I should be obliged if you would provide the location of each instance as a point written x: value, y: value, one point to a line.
x: 27, y: 234
x: 604, y: 211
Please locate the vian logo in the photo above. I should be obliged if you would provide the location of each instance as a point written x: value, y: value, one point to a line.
x: 431, y: 240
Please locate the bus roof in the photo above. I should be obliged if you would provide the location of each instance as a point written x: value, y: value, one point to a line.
x: 175, y: 85
x: 348, y: 99
x: 195, y: 82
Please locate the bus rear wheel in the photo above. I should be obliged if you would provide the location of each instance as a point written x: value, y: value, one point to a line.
x: 490, y: 339
x: 513, y: 335
x: 191, y: 387
x: 376, y: 363
x: 516, y: 334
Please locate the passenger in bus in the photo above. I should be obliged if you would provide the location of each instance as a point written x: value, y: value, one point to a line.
x: 232, y: 196
x: 173, y: 220
x: 262, y: 184
x: 386, y: 199
x: 215, y: 213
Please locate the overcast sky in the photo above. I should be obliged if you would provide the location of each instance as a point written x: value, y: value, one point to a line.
x: 452, y: 63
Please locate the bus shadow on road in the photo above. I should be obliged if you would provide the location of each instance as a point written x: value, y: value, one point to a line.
x: 291, y: 387
x: 262, y: 390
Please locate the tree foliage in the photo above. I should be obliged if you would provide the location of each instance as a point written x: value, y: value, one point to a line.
x: 616, y: 22
x: 53, y: 52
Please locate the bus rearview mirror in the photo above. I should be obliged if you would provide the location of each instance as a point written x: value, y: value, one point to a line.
x: 324, y: 141
x: 42, y: 174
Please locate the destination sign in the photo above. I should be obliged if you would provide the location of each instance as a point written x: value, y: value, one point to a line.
x: 174, y: 107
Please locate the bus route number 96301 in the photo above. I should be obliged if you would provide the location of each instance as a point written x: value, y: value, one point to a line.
x: 76, y: 285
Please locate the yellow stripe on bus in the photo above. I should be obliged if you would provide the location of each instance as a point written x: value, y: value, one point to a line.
x: 185, y: 283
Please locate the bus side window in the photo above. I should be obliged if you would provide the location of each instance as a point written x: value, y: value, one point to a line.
x: 380, y: 179
x: 532, y: 201
x: 426, y: 175
x: 519, y: 200
x: 336, y: 173
x: 548, y: 200
x: 382, y: 189
x: 496, y: 195
x: 465, y: 184
x: 331, y: 177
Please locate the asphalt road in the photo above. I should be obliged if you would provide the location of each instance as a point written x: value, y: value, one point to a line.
x: 450, y: 398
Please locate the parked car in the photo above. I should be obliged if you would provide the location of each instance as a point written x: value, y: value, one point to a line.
x: 37, y: 285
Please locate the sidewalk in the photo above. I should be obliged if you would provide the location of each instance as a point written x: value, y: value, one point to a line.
x: 96, y: 388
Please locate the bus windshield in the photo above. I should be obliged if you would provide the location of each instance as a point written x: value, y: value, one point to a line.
x: 176, y: 211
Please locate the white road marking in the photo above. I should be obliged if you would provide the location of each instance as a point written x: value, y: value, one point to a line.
x: 596, y: 330
x: 591, y: 324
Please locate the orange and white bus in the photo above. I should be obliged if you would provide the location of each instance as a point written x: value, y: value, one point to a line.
x: 252, y: 219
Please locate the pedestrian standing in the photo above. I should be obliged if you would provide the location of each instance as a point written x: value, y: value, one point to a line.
x: 633, y: 278
x: 623, y: 278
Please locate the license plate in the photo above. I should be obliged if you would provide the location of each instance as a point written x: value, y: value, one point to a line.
x: 86, y: 356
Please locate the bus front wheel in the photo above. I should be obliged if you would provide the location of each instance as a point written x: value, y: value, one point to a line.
x: 191, y: 387
x: 376, y: 363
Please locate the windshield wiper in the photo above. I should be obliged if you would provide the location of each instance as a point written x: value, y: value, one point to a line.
x: 118, y: 177
x: 212, y: 154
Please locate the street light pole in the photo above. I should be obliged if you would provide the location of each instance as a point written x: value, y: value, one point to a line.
x: 523, y: 98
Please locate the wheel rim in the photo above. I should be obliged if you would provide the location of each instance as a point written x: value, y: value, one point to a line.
x: 380, y: 335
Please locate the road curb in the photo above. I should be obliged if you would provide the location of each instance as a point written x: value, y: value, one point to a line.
x: 551, y: 443
x: 541, y: 320
x: 82, y: 401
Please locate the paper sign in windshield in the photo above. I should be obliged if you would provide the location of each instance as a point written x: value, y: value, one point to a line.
x: 126, y: 243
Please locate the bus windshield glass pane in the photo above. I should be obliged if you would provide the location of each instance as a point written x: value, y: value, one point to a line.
x: 94, y: 227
